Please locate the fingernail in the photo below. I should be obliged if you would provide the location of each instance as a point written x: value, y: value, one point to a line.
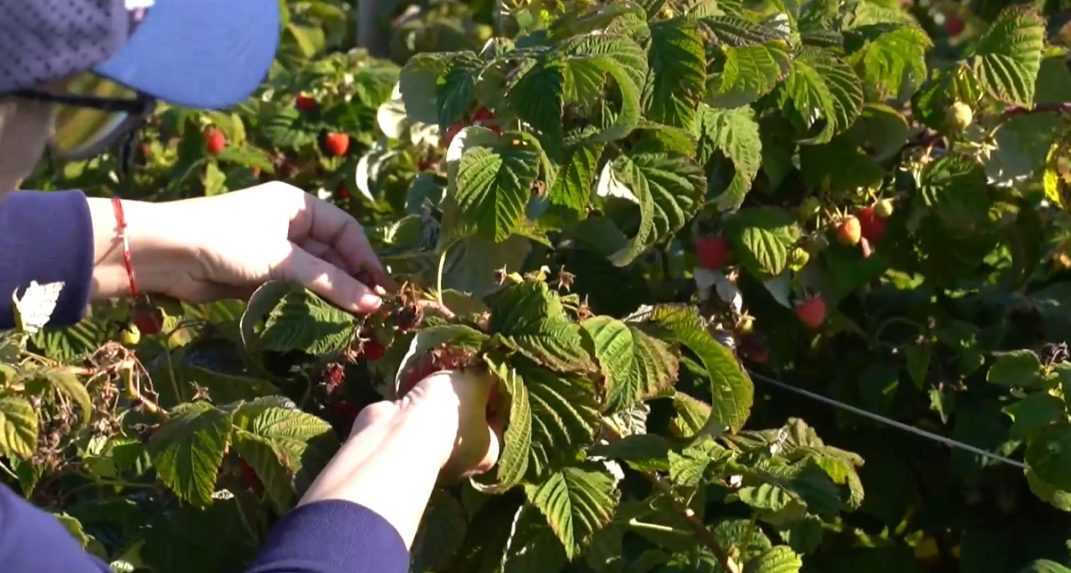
x: 380, y: 290
x: 370, y: 302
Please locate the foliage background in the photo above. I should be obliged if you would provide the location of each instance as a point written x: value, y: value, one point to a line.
x: 718, y: 118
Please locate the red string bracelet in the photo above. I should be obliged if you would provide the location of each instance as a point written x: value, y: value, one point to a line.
x: 120, y: 224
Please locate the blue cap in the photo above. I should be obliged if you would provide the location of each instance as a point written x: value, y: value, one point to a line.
x: 196, y: 53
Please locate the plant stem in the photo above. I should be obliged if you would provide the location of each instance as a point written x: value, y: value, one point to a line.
x: 699, y: 529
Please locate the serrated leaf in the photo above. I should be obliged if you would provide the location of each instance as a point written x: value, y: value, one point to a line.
x: 688, y: 467
x: 532, y: 319
x: 188, y: 449
x: 635, y: 365
x: 735, y: 134
x: 732, y: 390
x: 1033, y: 413
x: 668, y: 191
x: 573, y: 186
x: 494, y: 183
x: 890, y: 58
x: 302, y: 442
x: 455, y: 92
x: 822, y: 93
x: 565, y: 415
x: 285, y: 447
x: 780, y: 559
x: 748, y: 73
x: 577, y: 502
x: 1049, y: 456
x: 766, y: 496
x: 1016, y: 368
x: 589, y: 58
x: 517, y: 440
x: 538, y: 97
x: 1008, y: 56
x: 18, y: 428
x: 692, y: 415
x: 303, y: 321
x: 763, y: 237
x: 677, y: 74
x: 418, y: 83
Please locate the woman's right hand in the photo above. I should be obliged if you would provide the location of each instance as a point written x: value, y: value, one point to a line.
x: 226, y: 246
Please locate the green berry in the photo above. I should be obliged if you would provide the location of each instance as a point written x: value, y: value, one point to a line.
x: 959, y: 116
x: 130, y: 335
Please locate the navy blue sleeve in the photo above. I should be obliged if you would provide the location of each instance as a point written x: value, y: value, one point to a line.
x: 46, y: 237
x: 33, y: 540
x: 332, y: 536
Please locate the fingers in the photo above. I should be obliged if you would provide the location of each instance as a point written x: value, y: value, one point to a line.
x: 325, y: 223
x: 328, y: 281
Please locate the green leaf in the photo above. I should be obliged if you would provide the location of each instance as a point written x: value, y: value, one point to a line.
x: 538, y: 97
x: 284, y: 446
x: 752, y: 59
x: 891, y: 58
x: 592, y: 57
x: 1044, y: 566
x: 304, y: 321
x: 954, y: 188
x: 1016, y: 368
x: 18, y: 428
x: 532, y: 547
x: 677, y: 75
x: 780, y: 559
x: 1055, y: 497
x: 766, y: 496
x: 735, y: 134
x: 668, y: 190
x: 762, y: 238
x: 455, y: 92
x: 517, y: 440
x: 531, y: 318
x: 635, y: 365
x: 188, y: 449
x: 494, y: 183
x: 418, y: 82
x: 577, y: 502
x: 1049, y: 456
x: 1008, y: 56
x: 732, y: 390
x: 822, y: 93
x: 74, y: 527
x: 1035, y: 412
x: 748, y: 73
x: 688, y: 467
x: 573, y: 186
x: 692, y: 415
x: 565, y: 415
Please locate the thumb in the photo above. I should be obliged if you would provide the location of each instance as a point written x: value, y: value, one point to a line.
x: 328, y: 281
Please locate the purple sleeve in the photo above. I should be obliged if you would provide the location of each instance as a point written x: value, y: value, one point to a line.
x: 33, y: 540
x: 332, y: 536
x: 46, y: 237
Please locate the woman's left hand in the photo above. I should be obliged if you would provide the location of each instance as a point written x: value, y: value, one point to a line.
x: 225, y: 246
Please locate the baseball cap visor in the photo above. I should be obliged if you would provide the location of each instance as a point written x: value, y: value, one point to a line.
x: 199, y: 53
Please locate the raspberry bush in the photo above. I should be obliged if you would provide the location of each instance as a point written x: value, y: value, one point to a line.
x: 619, y: 211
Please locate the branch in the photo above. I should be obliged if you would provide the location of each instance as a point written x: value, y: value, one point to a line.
x: 698, y: 527
x: 1061, y: 107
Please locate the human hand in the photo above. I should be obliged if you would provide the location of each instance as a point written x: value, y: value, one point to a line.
x: 225, y: 246
x: 398, y: 450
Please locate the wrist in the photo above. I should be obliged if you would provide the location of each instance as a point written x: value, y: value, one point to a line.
x: 158, y: 256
